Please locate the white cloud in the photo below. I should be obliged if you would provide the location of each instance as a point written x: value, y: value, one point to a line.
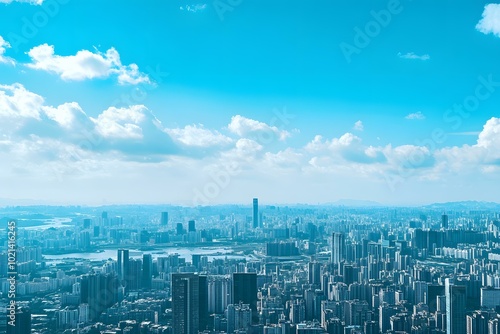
x: 490, y: 22
x: 17, y: 102
x: 67, y: 115
x: 415, y: 116
x: 121, y: 122
x: 85, y: 65
x: 198, y: 136
x: 193, y: 8
x: 261, y: 132
x: 4, y: 45
x: 412, y: 55
x: 490, y: 136
x: 32, y: 2
x: 358, y: 126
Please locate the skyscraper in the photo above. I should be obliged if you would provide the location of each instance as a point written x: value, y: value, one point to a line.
x: 444, y: 221
x: 255, y: 215
x: 191, y: 226
x: 338, y: 248
x: 189, y: 303
x: 123, y: 264
x: 99, y: 291
x: 238, y: 317
x: 455, y: 308
x: 245, y: 291
x: 164, y: 219
x: 147, y: 271
x: 135, y: 274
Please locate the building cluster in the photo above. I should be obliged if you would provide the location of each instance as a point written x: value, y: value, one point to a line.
x: 286, y: 271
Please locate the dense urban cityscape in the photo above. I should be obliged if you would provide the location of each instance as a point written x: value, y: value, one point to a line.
x: 253, y: 269
x: 249, y: 167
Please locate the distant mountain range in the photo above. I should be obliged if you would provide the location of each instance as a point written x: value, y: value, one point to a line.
x: 464, y: 205
x: 445, y: 206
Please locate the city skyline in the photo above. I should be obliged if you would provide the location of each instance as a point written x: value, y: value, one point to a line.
x: 206, y: 103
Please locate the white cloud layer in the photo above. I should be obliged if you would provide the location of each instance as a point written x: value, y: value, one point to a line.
x: 412, y: 55
x: 194, y: 8
x: 259, y: 131
x: 85, y: 65
x: 38, y: 141
x: 4, y: 45
x: 32, y: 2
x: 490, y: 22
x: 198, y: 136
x: 415, y: 116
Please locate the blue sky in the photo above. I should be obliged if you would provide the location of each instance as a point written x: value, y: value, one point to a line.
x: 221, y: 101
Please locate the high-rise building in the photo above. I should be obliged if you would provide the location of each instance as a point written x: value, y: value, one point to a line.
x: 164, y: 219
x: 135, y: 274
x: 219, y: 294
x: 179, y: 230
x: 245, y: 291
x: 255, y: 215
x: 444, y: 221
x: 99, y: 291
x: 147, y: 271
x: 189, y: 303
x: 123, y: 264
x: 477, y: 322
x: 455, y: 308
x: 239, y: 317
x: 338, y: 248
x: 191, y: 226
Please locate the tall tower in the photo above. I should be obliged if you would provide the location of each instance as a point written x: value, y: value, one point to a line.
x: 123, y: 264
x: 147, y: 271
x: 99, y: 291
x: 255, y: 215
x: 338, y: 248
x: 444, y: 221
x: 455, y: 308
x: 245, y: 291
x: 191, y: 226
x: 164, y: 219
x: 189, y: 303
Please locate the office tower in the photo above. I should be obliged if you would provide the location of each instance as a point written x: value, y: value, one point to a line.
x: 338, y: 248
x: 86, y: 223
x: 255, y: 215
x: 314, y: 273
x: 135, y: 274
x: 444, y: 221
x: 189, y: 303
x: 179, y: 229
x: 195, y: 260
x: 203, y: 300
x: 371, y: 327
x: 455, y: 308
x: 123, y: 264
x: 99, y: 291
x: 219, y: 294
x: 191, y: 226
x: 238, y: 317
x: 147, y: 271
x: 164, y: 219
x: 104, y: 215
x: 477, y: 322
x: 245, y: 291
